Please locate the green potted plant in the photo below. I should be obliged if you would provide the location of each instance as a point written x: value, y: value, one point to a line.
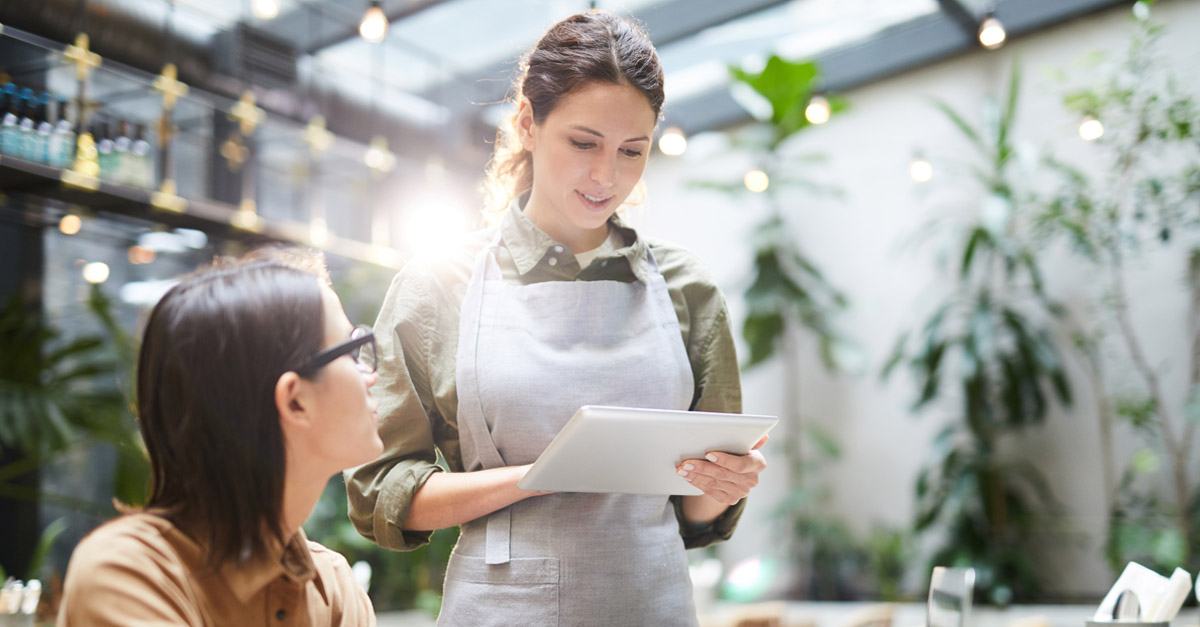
x: 987, y: 352
x: 1145, y: 125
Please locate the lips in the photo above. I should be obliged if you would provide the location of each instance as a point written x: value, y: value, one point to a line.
x: 594, y: 203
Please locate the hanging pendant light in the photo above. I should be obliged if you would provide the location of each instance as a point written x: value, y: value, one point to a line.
x: 374, y: 24
x: 991, y: 32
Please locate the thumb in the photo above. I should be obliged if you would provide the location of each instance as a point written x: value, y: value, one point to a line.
x: 760, y: 443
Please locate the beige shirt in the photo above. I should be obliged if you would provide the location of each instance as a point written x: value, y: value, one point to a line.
x: 417, y: 339
x: 141, y: 570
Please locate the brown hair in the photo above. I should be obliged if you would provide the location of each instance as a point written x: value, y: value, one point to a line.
x: 584, y: 48
x: 213, y: 349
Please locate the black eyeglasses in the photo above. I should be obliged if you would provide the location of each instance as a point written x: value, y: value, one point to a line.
x: 360, y: 347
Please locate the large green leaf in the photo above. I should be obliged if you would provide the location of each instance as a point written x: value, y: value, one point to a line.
x: 787, y: 85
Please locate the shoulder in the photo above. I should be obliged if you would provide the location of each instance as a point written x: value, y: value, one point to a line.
x: 684, y: 271
x: 134, y: 566
x: 438, y: 274
x: 432, y: 284
x: 141, y: 538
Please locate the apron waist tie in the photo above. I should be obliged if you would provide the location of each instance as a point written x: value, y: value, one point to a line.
x: 496, y: 537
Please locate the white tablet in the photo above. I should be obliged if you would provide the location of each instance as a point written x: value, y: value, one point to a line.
x: 634, y: 451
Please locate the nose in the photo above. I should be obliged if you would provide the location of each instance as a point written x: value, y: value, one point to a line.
x: 604, y: 169
x: 370, y: 378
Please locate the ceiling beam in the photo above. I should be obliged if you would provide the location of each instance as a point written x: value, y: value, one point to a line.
x: 904, y: 47
x: 961, y: 15
x: 665, y: 23
x: 336, y: 21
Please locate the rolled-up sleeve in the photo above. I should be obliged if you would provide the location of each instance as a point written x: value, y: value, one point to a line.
x: 713, y: 354
x: 718, y: 388
x: 381, y: 492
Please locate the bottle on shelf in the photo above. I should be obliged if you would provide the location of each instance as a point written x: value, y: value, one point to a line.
x: 10, y: 129
x: 143, y: 171
x: 45, y: 126
x: 62, y: 139
x: 120, y: 155
x: 26, y: 147
x: 104, y: 147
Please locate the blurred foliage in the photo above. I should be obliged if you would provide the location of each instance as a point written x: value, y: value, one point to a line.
x: 57, y: 395
x: 1146, y: 198
x: 788, y: 292
x: 987, y: 351
x: 789, y: 301
x: 61, y: 395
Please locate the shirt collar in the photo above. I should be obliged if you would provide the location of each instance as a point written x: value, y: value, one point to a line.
x: 529, y: 245
x: 293, y: 561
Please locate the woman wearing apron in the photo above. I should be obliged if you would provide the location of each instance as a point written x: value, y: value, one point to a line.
x: 485, y: 355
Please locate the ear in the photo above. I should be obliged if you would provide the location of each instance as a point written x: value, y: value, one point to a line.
x: 292, y: 402
x: 526, y: 128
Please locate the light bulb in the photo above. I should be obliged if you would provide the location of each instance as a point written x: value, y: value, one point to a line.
x: 991, y: 33
x: 264, y: 9
x: 817, y: 111
x: 1091, y: 129
x: 756, y: 181
x: 378, y: 157
x: 95, y: 272
x: 374, y: 24
x: 920, y: 170
x: 672, y: 142
x: 70, y: 224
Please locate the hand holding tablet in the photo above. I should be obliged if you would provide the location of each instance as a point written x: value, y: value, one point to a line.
x: 638, y: 451
x: 725, y: 478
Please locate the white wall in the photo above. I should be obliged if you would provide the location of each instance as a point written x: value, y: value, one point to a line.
x: 857, y: 242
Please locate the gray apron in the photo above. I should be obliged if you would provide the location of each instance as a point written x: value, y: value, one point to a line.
x: 528, y: 357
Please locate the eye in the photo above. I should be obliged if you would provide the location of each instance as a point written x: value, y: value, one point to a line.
x: 582, y: 145
x: 630, y: 152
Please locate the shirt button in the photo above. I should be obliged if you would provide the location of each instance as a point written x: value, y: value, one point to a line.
x: 558, y: 249
x: 553, y: 261
x: 280, y: 615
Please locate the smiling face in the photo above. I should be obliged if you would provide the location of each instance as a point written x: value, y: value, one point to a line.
x: 588, y: 154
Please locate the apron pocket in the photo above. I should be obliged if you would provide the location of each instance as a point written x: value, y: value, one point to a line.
x: 477, y: 594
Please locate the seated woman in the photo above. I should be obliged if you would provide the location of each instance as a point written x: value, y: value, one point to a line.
x: 252, y: 391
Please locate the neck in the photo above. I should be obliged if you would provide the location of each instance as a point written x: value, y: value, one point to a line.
x: 301, y: 491
x: 561, y: 230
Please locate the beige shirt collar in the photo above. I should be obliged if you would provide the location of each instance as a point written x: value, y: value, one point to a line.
x: 293, y: 561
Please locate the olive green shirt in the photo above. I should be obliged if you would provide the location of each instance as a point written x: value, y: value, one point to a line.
x: 417, y: 339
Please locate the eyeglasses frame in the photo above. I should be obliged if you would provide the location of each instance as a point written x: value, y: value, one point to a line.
x: 325, y: 357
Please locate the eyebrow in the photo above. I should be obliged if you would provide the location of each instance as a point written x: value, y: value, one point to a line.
x: 601, y: 135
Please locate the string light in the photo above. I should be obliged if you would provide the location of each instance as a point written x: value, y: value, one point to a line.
x: 920, y: 170
x: 817, y: 111
x: 374, y: 24
x: 95, y: 272
x: 70, y: 224
x: 265, y: 9
x: 991, y: 32
x: 672, y: 142
x: 1090, y: 129
x: 756, y: 181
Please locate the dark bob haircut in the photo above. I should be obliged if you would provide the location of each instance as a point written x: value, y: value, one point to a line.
x: 213, y: 349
